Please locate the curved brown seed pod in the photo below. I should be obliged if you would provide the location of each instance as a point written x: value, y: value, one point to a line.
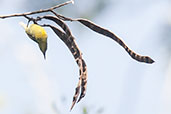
x: 84, y: 81
x: 71, y: 39
x: 111, y: 35
x: 71, y: 44
x: 68, y: 32
x: 59, y: 22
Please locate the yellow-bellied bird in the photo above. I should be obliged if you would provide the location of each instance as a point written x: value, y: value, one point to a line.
x: 37, y: 34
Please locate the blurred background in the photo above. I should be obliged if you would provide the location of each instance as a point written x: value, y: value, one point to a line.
x: 117, y: 84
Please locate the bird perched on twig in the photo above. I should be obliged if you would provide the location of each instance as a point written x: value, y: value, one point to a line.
x: 37, y: 34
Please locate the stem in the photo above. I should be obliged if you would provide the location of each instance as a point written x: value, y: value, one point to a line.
x: 36, y: 12
x: 62, y: 17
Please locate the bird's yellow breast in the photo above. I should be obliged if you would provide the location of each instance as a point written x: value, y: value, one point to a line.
x: 36, y: 32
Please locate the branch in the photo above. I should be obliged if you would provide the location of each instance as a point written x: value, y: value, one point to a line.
x: 36, y: 12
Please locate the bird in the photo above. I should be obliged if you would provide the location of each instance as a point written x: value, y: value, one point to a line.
x: 37, y: 34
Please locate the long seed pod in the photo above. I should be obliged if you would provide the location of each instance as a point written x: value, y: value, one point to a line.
x: 59, y: 22
x: 71, y: 44
x: 71, y: 39
x: 111, y: 35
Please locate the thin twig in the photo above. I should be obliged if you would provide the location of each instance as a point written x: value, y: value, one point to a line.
x: 62, y: 17
x: 36, y: 12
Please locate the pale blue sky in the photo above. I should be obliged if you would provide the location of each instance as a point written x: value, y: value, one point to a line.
x: 31, y: 85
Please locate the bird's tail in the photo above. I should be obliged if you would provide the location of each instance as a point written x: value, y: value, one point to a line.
x: 23, y: 25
